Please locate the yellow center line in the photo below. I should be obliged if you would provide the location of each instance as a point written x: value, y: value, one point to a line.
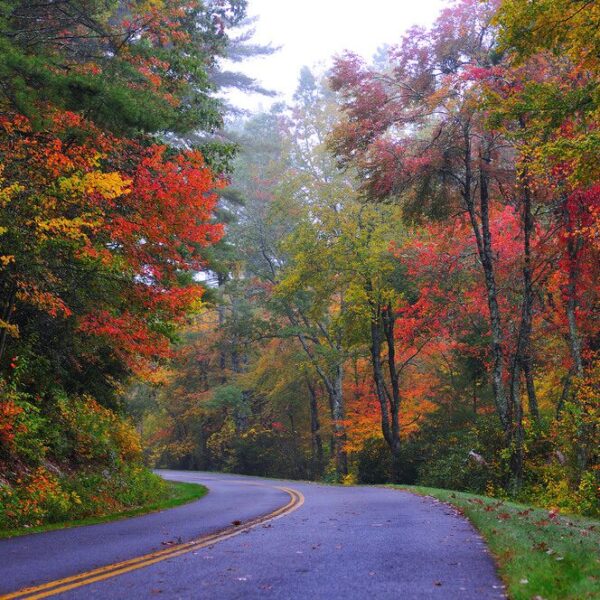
x: 113, y: 570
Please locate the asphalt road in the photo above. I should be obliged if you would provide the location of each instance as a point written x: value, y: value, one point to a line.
x: 341, y: 542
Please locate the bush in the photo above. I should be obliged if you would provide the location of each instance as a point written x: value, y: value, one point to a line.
x: 268, y: 453
x: 96, y: 435
x: 374, y: 462
x: 446, y: 462
x: 554, y: 490
x: 21, y: 427
x: 43, y: 497
x: 67, y: 458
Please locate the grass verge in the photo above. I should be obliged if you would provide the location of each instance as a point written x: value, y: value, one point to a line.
x: 178, y: 493
x: 541, y: 555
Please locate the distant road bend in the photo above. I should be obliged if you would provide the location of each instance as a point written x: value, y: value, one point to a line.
x: 258, y: 538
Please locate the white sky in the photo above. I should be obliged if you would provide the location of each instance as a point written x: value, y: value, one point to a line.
x: 310, y: 32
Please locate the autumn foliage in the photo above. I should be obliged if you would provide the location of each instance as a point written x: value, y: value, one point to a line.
x: 402, y: 277
x: 103, y: 226
x: 410, y: 291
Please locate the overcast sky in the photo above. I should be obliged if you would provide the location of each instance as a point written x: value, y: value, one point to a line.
x: 310, y: 32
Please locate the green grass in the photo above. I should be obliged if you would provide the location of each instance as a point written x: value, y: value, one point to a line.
x: 178, y: 494
x: 540, y: 555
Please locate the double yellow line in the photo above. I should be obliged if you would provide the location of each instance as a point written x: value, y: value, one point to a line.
x: 75, y: 581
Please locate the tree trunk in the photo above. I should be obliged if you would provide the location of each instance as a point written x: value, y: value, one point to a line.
x: 517, y: 434
x: 566, y: 392
x: 389, y: 321
x: 524, y: 350
x: 315, y: 431
x: 525, y: 358
x: 573, y: 249
x: 378, y: 377
x: 334, y: 386
x: 574, y: 339
x: 534, y: 410
x: 332, y: 378
x: 481, y: 229
x: 506, y: 409
x: 339, y: 429
x: 397, y: 463
x: 487, y: 260
x: 522, y: 360
x: 6, y: 316
x: 389, y: 409
x: 221, y: 320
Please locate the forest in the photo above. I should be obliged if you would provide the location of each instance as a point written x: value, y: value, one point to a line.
x: 390, y: 278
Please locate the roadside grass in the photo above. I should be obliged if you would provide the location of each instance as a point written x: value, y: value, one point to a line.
x: 541, y: 555
x: 178, y: 493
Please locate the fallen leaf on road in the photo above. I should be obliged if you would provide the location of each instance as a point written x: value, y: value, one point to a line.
x: 438, y: 583
x: 236, y: 522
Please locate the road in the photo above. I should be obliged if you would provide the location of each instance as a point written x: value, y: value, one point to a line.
x: 325, y: 542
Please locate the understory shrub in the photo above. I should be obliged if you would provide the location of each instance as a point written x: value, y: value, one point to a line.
x: 64, y: 458
x: 447, y: 457
x: 374, y: 462
x: 267, y: 453
x: 43, y: 497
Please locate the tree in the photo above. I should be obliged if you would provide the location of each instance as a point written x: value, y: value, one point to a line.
x: 551, y: 90
x: 416, y: 133
x: 103, y: 227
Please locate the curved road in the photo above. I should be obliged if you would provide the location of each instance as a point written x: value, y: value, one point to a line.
x: 326, y: 542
